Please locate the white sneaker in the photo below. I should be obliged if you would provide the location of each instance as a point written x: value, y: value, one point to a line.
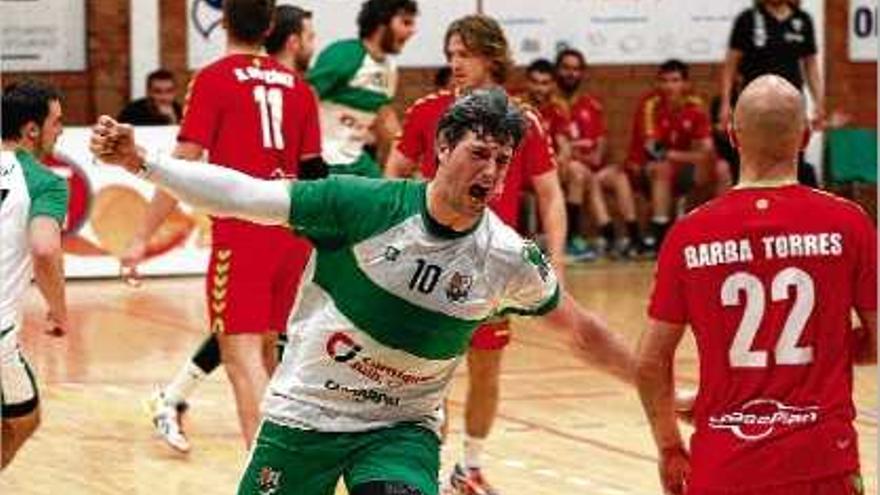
x: 166, y: 421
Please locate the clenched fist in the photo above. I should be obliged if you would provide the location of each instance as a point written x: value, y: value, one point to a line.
x: 113, y: 143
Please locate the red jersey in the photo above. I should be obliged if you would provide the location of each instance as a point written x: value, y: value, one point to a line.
x: 767, y: 279
x: 534, y: 156
x: 554, y: 116
x: 675, y: 128
x: 251, y: 114
x: 588, y: 123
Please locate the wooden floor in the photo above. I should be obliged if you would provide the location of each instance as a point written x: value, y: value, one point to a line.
x: 562, y: 428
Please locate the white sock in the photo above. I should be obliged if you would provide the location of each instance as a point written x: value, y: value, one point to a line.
x: 184, y: 382
x: 473, y: 452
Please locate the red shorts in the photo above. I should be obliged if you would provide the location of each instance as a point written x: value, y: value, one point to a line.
x: 253, y: 278
x: 847, y: 484
x: 492, y: 336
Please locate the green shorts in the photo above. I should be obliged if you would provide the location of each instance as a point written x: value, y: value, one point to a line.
x: 364, y: 166
x: 289, y: 461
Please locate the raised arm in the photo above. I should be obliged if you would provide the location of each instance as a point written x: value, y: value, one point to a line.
x: 219, y: 190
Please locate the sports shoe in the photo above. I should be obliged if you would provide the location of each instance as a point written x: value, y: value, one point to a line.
x: 577, y: 249
x: 469, y: 481
x: 166, y: 421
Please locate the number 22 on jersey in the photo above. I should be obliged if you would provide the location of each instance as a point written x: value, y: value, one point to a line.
x: 786, y: 351
x: 270, y: 102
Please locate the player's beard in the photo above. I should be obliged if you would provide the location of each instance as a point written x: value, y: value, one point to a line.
x: 569, y: 86
x: 388, y: 42
x: 301, y: 64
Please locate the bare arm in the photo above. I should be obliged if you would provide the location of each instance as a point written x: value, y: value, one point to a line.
x: 865, y: 351
x: 592, y: 340
x: 219, y: 190
x: 699, y: 154
x: 817, y: 90
x: 728, y: 75
x: 654, y: 379
x: 48, y: 258
x: 163, y: 203
x: 551, y: 207
x: 399, y: 165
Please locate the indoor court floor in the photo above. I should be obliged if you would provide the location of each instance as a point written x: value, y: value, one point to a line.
x: 563, y: 428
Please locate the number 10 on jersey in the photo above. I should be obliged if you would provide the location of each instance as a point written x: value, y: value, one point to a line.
x: 270, y: 103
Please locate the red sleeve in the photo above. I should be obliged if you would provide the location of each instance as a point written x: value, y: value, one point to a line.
x: 412, y: 143
x: 865, y: 290
x: 601, y: 127
x: 201, y: 111
x: 311, y: 130
x: 537, y: 148
x: 702, y: 126
x: 667, y: 297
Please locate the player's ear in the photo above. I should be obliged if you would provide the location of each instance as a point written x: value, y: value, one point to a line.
x: 731, y: 134
x: 443, y: 149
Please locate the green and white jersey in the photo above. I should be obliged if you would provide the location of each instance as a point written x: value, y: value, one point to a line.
x: 352, y: 87
x: 389, y: 301
x: 27, y: 190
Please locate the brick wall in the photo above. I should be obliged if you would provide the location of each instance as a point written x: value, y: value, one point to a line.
x: 105, y: 88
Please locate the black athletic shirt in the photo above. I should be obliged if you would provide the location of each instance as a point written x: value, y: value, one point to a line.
x: 770, y: 46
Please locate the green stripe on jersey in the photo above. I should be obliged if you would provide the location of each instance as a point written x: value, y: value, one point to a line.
x: 359, y: 99
x: 48, y: 192
x: 390, y: 320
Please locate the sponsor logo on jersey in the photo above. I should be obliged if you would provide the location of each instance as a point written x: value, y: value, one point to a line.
x: 760, y: 417
x: 269, y: 481
x: 391, y: 253
x: 459, y: 287
x: 344, y: 349
x: 363, y: 394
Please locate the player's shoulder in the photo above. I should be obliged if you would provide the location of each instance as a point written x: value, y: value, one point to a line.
x: 695, y: 103
x: 590, y: 101
x: 343, y: 48
x: 651, y: 98
x: 432, y: 101
x: 830, y: 203
x: 507, y: 246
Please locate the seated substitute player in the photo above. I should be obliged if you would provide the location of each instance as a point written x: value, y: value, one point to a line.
x: 589, y: 144
x: 767, y: 276
x: 356, y: 80
x: 402, y: 274
x: 33, y: 204
x: 575, y: 176
x: 671, y: 143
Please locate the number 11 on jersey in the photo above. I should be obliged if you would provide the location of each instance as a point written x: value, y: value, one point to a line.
x: 270, y: 103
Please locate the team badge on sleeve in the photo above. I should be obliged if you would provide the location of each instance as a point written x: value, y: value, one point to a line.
x: 532, y: 254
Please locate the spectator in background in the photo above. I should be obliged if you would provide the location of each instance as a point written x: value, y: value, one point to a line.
x: 443, y: 78
x: 589, y: 149
x: 671, y: 144
x: 774, y: 37
x: 541, y: 93
x: 159, y: 107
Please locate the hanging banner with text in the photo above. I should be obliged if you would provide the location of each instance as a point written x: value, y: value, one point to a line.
x: 42, y: 35
x: 333, y: 20
x: 625, y: 32
x: 863, y: 30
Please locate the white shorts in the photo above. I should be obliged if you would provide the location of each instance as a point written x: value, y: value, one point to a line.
x: 18, y: 388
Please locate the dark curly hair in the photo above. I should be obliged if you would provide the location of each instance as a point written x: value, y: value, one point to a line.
x: 377, y: 13
x: 486, y: 113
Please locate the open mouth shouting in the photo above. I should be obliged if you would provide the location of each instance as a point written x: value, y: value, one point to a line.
x: 479, y: 194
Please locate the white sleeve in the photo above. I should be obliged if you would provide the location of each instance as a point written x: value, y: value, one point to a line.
x: 219, y: 190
